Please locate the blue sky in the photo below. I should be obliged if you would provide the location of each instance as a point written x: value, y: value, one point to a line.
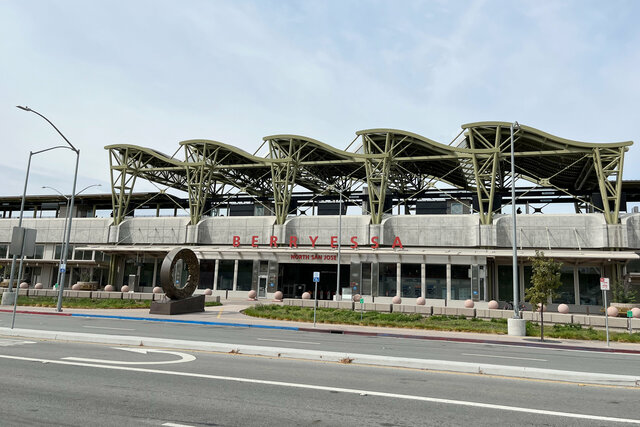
x: 154, y: 73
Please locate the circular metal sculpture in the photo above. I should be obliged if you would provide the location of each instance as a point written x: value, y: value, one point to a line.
x: 167, y: 273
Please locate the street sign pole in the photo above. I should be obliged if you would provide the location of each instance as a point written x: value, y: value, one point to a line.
x: 316, y: 280
x: 604, y: 286
x: 361, y: 307
x: 315, y: 303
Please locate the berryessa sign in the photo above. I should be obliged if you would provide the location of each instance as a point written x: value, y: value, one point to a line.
x: 313, y: 241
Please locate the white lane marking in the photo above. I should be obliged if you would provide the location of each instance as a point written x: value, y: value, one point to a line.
x: 297, y: 342
x: 504, y: 357
x: 105, y: 327
x: 338, y: 389
x: 177, y: 425
x: 183, y: 357
x: 8, y: 343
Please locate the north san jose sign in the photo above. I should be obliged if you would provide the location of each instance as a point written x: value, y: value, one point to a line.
x: 312, y: 240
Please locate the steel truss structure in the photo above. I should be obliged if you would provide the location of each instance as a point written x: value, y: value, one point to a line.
x: 390, y: 162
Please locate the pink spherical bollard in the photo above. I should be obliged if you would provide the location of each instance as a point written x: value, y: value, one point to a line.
x: 125, y: 288
x: 306, y: 295
x: 396, y: 300
x: 493, y: 305
x: 109, y: 288
x: 157, y: 290
x: 252, y: 295
x: 612, y: 311
x: 468, y: 304
x: 636, y: 312
x: 24, y: 285
x: 544, y: 308
x: 563, y: 308
x: 421, y: 301
x: 75, y: 287
x: 38, y: 286
x: 278, y: 296
x: 208, y: 291
x: 357, y: 297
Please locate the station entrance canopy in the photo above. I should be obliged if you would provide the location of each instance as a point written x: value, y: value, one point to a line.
x: 388, y: 162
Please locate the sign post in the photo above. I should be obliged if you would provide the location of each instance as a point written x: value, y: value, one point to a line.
x: 604, y: 286
x: 316, y: 280
x: 361, y: 307
x: 629, y: 316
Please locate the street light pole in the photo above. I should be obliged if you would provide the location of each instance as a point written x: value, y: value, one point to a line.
x: 63, y: 261
x: 64, y: 232
x: 339, y: 245
x: 516, y: 288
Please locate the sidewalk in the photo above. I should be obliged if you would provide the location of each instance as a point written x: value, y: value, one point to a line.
x: 230, y: 314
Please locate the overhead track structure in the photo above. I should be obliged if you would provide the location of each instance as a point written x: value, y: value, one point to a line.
x: 392, y: 163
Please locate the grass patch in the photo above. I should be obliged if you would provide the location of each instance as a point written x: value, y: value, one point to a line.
x: 91, y: 303
x: 373, y: 318
x: 577, y: 332
x: 442, y: 323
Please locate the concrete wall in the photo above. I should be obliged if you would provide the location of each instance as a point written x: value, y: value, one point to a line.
x: 167, y: 230
x: 220, y: 230
x: 432, y: 230
x: 50, y: 230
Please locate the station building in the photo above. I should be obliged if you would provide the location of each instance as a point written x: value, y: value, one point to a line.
x: 394, y: 214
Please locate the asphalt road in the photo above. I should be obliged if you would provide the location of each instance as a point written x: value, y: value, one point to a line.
x: 42, y: 386
x: 548, y: 358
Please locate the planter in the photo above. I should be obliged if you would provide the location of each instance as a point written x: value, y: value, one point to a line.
x: 87, y: 286
x: 623, y: 307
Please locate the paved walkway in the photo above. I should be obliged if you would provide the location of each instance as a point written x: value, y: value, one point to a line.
x: 230, y: 312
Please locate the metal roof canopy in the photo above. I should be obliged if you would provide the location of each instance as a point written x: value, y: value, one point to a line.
x: 390, y: 162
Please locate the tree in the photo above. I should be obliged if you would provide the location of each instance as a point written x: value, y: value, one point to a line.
x: 545, y: 279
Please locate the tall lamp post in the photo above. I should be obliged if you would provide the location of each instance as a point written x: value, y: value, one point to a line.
x: 339, y: 246
x: 516, y: 325
x: 68, y: 199
x: 63, y: 260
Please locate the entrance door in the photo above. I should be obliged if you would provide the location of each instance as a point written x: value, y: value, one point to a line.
x: 262, y: 287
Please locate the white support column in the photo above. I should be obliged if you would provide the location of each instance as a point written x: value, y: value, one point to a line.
x: 398, y: 279
x: 449, y: 281
x: 576, y: 284
x: 521, y: 281
x: 215, y: 276
x: 235, y: 275
x: 154, y: 281
x: 423, y: 280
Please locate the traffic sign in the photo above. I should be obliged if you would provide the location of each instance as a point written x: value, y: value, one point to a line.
x: 604, y: 283
x: 63, y: 268
x: 361, y: 300
x: 629, y: 313
x: 316, y: 276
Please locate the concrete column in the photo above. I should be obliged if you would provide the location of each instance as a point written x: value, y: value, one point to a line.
x: 398, y: 279
x: 576, y: 284
x: 215, y: 276
x: 448, y: 281
x: 235, y: 275
x: 155, y: 273
x: 521, y: 281
x: 423, y: 280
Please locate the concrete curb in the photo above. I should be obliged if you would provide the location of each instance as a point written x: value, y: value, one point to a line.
x: 330, y: 356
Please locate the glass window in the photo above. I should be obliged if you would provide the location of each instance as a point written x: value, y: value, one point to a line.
x: 245, y: 275
x: 366, y: 278
x: 565, y: 292
x: 460, y: 282
x: 505, y: 282
x: 225, y: 274
x: 58, y: 252
x: 387, y: 279
x: 146, y: 274
x: 436, y: 287
x: 411, y: 279
x: 38, y: 254
x: 589, y: 282
x: 3, y: 251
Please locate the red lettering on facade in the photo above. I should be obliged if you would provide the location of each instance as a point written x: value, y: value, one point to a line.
x: 293, y: 242
x: 236, y: 241
x: 254, y: 241
x: 273, y: 242
x: 334, y: 241
x: 374, y: 242
x: 354, y: 241
x: 313, y: 241
x: 397, y: 242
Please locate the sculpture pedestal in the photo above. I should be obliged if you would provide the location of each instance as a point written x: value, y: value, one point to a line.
x: 193, y: 304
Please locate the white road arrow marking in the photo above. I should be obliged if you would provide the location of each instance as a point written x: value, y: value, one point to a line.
x: 184, y: 357
x: 7, y: 343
